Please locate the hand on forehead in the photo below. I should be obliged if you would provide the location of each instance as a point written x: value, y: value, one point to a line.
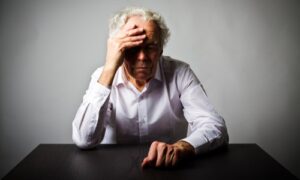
x: 129, y: 25
x: 138, y: 22
x: 147, y: 27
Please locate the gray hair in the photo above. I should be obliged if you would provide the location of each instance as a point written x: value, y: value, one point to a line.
x: 121, y: 17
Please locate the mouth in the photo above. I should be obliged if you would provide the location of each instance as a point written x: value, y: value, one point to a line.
x: 142, y: 67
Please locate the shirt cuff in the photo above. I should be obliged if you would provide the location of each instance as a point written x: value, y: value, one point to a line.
x: 101, y: 89
x: 200, y: 144
x: 97, y: 91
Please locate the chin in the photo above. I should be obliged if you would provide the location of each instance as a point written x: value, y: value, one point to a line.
x: 141, y: 77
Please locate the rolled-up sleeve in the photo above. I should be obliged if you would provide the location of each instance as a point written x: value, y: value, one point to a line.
x: 88, y: 126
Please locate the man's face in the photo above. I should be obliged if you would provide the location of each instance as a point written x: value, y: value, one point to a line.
x: 140, y: 61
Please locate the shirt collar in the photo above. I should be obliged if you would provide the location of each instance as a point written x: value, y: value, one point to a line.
x: 120, y: 77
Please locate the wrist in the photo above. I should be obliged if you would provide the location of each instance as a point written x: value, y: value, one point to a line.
x: 110, y: 67
x: 186, y: 147
x: 107, y: 75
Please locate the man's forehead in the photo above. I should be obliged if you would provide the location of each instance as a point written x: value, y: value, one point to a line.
x: 152, y: 36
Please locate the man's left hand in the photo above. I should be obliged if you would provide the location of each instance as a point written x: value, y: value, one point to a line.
x: 167, y: 155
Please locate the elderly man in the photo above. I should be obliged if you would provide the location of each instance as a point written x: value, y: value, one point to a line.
x: 140, y: 96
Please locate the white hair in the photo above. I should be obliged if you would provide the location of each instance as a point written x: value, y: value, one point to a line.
x: 121, y: 17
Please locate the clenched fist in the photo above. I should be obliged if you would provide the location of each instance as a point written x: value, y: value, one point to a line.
x: 167, y: 155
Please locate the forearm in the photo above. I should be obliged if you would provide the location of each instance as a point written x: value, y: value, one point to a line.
x: 107, y: 76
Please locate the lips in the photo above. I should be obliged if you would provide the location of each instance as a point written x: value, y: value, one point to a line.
x: 142, y: 67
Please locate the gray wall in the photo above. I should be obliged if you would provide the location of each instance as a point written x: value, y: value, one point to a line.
x: 246, y: 53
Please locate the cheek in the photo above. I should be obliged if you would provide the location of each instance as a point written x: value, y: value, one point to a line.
x: 129, y: 56
x: 129, y: 61
x: 127, y: 65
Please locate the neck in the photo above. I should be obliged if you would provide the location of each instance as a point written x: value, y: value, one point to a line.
x: 139, y: 85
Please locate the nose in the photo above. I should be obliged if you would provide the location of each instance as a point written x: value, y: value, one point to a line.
x: 141, y: 55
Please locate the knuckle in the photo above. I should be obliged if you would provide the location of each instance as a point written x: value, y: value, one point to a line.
x: 162, y: 145
x: 155, y: 143
x: 150, y: 159
x: 120, y: 47
x: 176, y: 152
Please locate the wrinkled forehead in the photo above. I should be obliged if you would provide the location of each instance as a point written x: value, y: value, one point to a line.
x: 150, y: 27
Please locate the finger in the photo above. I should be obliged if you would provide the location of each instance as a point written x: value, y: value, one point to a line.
x: 128, y: 45
x: 152, y: 151
x: 133, y: 41
x: 176, y: 157
x: 169, y: 156
x: 126, y: 31
x: 134, y: 38
x: 161, y: 154
x: 151, y: 158
x: 128, y: 26
x: 135, y: 31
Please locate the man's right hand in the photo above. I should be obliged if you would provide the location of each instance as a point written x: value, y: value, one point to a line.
x: 127, y: 37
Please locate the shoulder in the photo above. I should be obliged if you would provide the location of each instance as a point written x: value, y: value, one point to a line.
x: 171, y: 65
x: 171, y: 62
x: 179, y: 72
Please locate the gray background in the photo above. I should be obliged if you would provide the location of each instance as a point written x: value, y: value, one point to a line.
x: 246, y: 53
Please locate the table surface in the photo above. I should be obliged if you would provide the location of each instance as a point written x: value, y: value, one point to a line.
x: 66, y: 161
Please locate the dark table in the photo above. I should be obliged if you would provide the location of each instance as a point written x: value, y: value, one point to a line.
x: 66, y: 161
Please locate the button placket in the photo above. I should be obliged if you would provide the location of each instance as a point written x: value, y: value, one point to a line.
x: 142, y: 114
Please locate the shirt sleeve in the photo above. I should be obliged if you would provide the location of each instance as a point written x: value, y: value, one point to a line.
x: 206, y: 128
x: 88, y: 126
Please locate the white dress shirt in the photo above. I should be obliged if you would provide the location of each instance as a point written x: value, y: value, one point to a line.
x: 172, y: 106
